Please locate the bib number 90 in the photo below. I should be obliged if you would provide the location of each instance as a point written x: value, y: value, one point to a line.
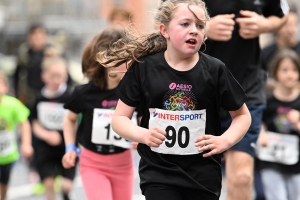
x: 172, y: 135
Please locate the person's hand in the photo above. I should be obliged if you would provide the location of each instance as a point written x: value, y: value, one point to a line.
x: 54, y: 138
x: 293, y: 116
x: 213, y: 144
x: 69, y: 159
x: 134, y: 145
x: 220, y: 27
x: 263, y: 139
x: 251, y: 24
x: 154, y: 137
x: 27, y: 150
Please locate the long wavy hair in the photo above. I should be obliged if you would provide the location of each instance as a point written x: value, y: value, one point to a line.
x: 133, y: 46
x: 92, y: 69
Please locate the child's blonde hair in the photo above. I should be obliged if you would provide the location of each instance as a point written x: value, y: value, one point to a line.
x: 128, y: 50
x: 52, y: 57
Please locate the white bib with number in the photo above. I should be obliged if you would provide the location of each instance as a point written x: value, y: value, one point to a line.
x: 281, y: 148
x: 102, y: 132
x: 7, y: 140
x: 51, y: 115
x: 182, y: 128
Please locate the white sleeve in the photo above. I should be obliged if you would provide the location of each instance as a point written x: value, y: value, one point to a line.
x: 284, y: 6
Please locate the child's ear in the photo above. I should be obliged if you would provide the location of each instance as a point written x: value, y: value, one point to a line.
x: 164, y: 31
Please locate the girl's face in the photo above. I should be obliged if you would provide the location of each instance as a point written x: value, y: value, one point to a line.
x: 185, y: 33
x: 54, y: 76
x: 116, y: 73
x: 287, y: 74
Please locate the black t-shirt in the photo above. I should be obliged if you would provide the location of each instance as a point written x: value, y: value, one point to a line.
x: 268, y: 53
x: 50, y: 114
x: 275, y: 119
x: 209, y: 85
x: 85, y: 100
x: 242, y: 56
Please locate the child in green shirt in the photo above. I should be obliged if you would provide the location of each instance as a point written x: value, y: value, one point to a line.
x: 12, y: 113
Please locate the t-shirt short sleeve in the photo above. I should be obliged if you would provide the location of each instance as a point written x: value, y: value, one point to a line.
x: 22, y: 112
x: 275, y: 7
x: 75, y: 103
x: 129, y: 89
x: 232, y: 96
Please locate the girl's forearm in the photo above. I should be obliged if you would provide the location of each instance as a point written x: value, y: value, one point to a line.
x: 123, y: 126
x: 238, y: 128
x: 26, y: 133
x: 69, y: 131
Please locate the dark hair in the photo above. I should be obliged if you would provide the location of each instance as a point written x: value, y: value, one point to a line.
x: 93, y: 70
x: 279, y: 56
x: 35, y: 26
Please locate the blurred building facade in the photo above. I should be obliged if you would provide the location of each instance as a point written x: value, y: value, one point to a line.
x: 70, y: 24
x: 73, y: 19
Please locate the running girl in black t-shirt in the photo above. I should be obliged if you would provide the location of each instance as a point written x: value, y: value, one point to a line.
x: 180, y: 92
x: 279, y: 142
x: 47, y: 122
x: 105, y: 162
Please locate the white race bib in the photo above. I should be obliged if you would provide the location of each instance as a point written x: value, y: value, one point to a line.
x: 182, y: 127
x: 102, y: 132
x: 281, y: 148
x: 51, y: 115
x: 7, y: 140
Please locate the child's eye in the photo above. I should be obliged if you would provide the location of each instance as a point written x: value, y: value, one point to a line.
x: 185, y: 24
x: 200, y: 26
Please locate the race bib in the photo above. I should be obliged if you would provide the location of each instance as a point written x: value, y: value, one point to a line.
x: 6, y: 143
x: 51, y: 115
x: 102, y: 132
x: 182, y: 128
x: 281, y: 148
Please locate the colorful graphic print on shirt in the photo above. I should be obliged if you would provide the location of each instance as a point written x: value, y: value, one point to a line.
x: 179, y: 98
x: 281, y: 122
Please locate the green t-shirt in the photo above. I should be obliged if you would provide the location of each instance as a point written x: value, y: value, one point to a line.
x: 12, y: 112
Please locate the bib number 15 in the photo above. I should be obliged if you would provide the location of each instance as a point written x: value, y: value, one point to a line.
x: 108, y: 133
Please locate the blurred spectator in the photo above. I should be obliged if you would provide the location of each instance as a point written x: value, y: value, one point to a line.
x: 233, y: 33
x: 285, y: 37
x: 27, y: 79
x: 12, y: 113
x: 47, y: 120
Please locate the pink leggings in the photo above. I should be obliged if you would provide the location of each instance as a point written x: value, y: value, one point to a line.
x: 107, y: 177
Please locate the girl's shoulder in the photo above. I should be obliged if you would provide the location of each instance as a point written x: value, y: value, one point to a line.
x: 210, y: 61
x: 84, y: 88
x: 150, y: 60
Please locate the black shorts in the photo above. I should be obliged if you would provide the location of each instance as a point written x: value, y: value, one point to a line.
x: 248, y: 142
x: 5, y: 173
x: 49, y: 166
x: 165, y: 192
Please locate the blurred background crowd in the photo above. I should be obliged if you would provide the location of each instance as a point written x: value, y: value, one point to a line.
x: 30, y: 29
